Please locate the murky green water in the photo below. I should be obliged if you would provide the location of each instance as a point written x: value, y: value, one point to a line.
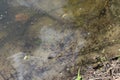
x: 43, y: 39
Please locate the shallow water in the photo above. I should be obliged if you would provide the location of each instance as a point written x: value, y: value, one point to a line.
x: 40, y: 39
x: 37, y: 29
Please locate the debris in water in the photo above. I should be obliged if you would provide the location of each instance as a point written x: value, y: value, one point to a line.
x: 21, y: 17
x: 26, y: 57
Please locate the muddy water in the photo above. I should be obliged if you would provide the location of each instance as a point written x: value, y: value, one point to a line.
x: 41, y: 39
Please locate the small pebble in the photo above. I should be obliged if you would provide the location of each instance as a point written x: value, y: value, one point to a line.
x: 26, y: 57
x: 113, y: 40
x: 118, y: 49
x: 1, y: 17
x: 103, y: 51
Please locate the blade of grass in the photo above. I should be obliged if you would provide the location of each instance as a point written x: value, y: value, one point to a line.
x: 78, y: 75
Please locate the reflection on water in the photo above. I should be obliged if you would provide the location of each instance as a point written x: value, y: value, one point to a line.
x: 45, y: 31
x: 48, y: 8
x: 55, y: 43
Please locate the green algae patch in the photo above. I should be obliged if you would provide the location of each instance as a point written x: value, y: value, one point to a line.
x: 85, y: 10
